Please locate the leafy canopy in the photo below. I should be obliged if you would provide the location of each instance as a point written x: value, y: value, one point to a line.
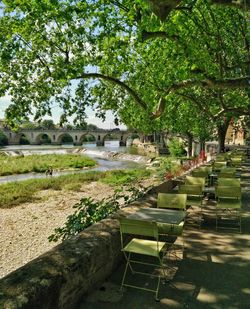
x: 153, y: 73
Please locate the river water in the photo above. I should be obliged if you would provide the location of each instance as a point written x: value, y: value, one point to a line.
x: 109, y: 157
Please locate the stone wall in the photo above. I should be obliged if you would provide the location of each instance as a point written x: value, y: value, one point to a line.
x: 62, y: 276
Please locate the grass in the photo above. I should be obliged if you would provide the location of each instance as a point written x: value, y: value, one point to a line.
x: 118, y: 177
x: 15, y: 193
x: 40, y: 163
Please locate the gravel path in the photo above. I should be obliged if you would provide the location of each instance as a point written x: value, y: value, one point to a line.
x: 24, y: 229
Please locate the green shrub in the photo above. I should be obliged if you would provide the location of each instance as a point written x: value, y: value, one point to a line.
x: 122, y: 177
x: 165, y: 165
x: 176, y: 148
x: 89, y: 211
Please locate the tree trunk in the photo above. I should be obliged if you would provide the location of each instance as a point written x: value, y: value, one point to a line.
x: 190, y: 145
x: 222, y: 130
x: 164, y: 146
x: 202, y: 144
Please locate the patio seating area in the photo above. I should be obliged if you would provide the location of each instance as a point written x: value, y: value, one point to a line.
x: 212, y: 271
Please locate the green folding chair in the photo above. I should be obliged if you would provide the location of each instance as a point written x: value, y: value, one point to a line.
x: 222, y: 157
x: 218, y: 165
x: 231, y: 182
x: 172, y: 201
x: 194, y: 198
x: 236, y: 161
x: 193, y: 180
x: 200, y: 173
x: 172, y: 233
x: 228, y: 208
x: 143, y: 247
x: 227, y: 172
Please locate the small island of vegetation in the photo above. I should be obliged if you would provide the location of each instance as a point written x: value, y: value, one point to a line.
x: 41, y: 163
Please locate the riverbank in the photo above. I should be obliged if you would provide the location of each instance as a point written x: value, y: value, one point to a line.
x: 25, y: 228
x: 15, y: 193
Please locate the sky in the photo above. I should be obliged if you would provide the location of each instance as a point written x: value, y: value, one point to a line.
x: 108, y: 124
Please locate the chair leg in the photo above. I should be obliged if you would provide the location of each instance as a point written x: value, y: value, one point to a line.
x: 200, y: 217
x: 234, y: 215
x: 159, y: 277
x: 216, y: 224
x: 240, y: 220
x: 163, y: 268
x: 126, y: 268
x: 157, y: 289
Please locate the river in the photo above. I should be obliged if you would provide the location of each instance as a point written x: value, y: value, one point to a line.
x: 109, y: 157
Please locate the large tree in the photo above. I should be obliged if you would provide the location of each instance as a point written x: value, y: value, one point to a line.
x: 118, y: 55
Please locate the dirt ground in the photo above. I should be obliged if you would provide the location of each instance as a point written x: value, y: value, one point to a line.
x: 25, y: 228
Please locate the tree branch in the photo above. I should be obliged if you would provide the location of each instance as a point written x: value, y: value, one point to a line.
x: 157, y: 34
x: 227, y: 83
x: 160, y: 109
x: 236, y: 110
x: 162, y: 8
x: 208, y: 83
x: 120, y: 5
x: 116, y: 81
x: 236, y: 3
x: 242, y: 82
x: 43, y: 62
x: 197, y: 101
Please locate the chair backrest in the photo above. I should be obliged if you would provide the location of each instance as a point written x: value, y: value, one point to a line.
x: 205, y: 168
x: 191, y: 180
x: 169, y: 200
x: 200, y: 173
x: 170, y: 229
x: 222, y: 156
x: 228, y: 192
x: 227, y: 169
x: 237, y: 157
x: 226, y: 174
x: 219, y: 164
x: 236, y: 160
x: 191, y: 189
x: 233, y: 182
x: 138, y: 227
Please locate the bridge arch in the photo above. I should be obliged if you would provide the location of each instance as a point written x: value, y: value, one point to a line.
x: 43, y: 138
x: 88, y: 137
x: 24, y: 139
x: 3, y: 139
x: 130, y: 137
x: 113, y: 136
x: 65, y: 137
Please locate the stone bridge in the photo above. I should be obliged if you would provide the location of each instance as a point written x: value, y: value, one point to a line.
x: 35, y: 137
